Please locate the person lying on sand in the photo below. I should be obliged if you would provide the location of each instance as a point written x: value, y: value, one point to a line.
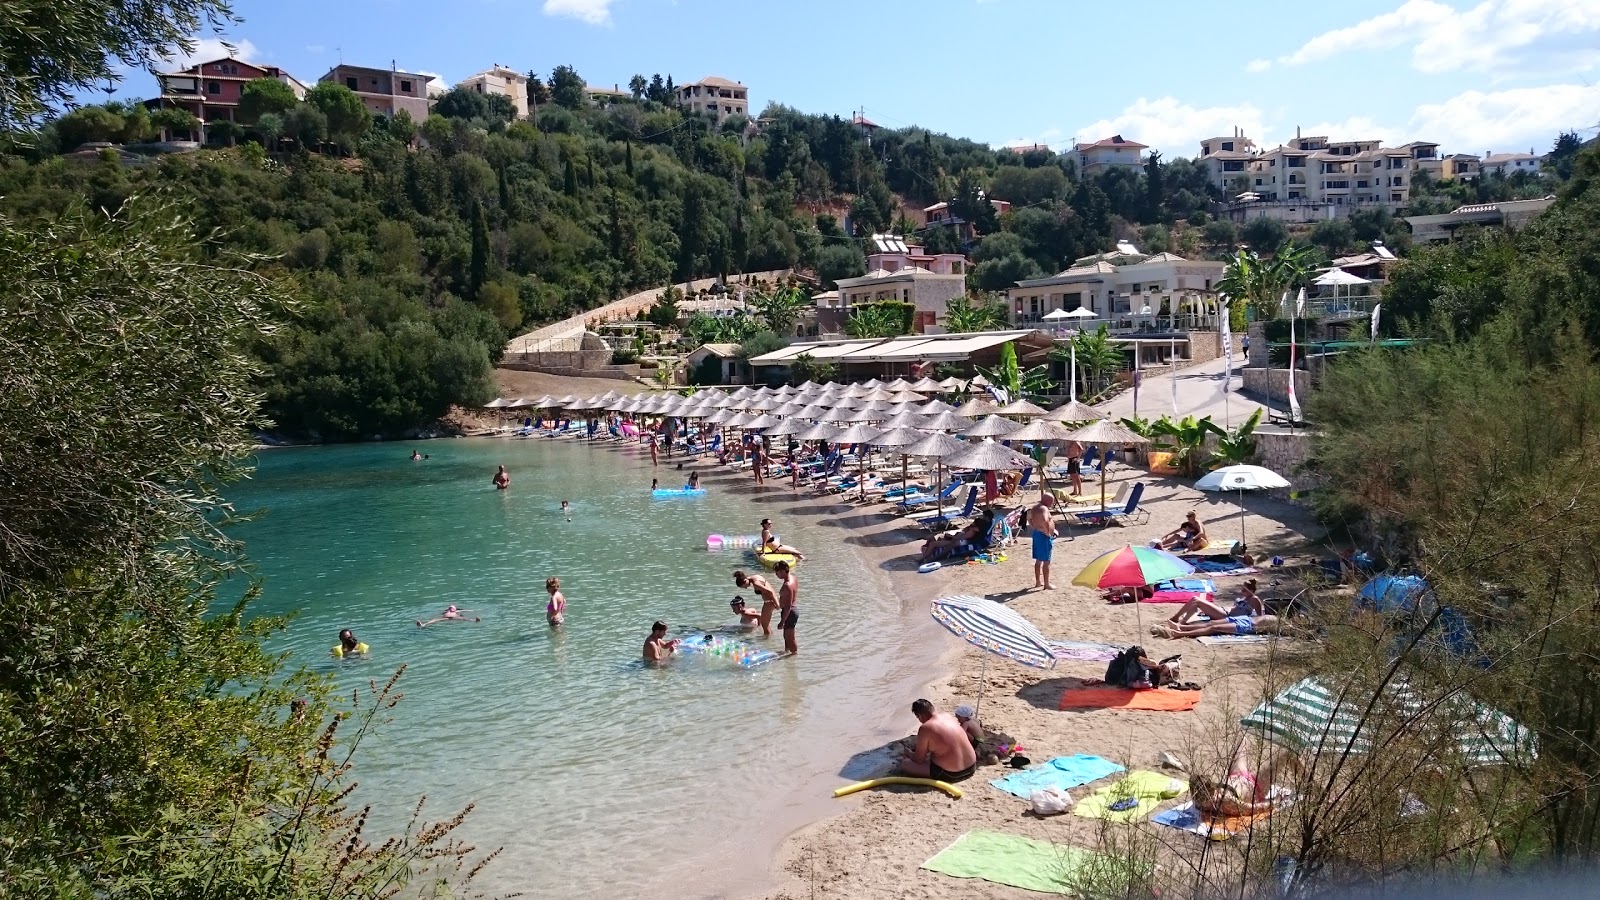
x: 943, y: 751
x: 748, y: 618
x: 450, y: 614
x: 1246, y: 606
x: 1242, y: 793
x: 1240, y: 625
x: 942, y: 544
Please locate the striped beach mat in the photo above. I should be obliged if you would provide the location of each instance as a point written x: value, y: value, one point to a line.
x: 1310, y: 716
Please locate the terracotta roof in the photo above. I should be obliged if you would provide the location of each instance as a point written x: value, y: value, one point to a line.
x: 1116, y: 140
x: 716, y: 81
x: 863, y: 120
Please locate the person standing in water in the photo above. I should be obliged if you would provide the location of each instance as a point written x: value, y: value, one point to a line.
x: 555, y: 611
x: 693, y: 483
x: 788, y: 606
x: 566, y: 510
x: 657, y: 648
x: 655, y: 459
x: 502, y: 478
x: 769, y: 597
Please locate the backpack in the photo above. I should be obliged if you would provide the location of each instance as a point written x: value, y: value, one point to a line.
x: 1125, y: 669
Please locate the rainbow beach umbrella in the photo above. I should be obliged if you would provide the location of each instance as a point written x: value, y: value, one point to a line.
x: 1132, y: 567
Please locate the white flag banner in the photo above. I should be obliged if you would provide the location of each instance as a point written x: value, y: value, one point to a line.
x: 1300, y: 305
x: 1294, y: 401
x: 1375, y: 308
x: 1227, y: 345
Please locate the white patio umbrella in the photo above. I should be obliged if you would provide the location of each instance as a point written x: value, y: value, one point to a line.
x: 1337, y: 278
x: 997, y: 628
x: 1241, y: 478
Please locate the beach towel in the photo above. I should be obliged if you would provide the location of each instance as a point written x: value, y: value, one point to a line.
x: 1105, y: 696
x: 1187, y: 818
x: 1062, y: 772
x: 1088, y: 651
x: 1012, y: 860
x: 1182, y: 590
x: 1147, y: 789
x: 1213, y: 549
x: 1221, y: 567
x: 1216, y: 639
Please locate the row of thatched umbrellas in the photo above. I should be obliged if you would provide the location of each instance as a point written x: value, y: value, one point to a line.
x: 896, y: 415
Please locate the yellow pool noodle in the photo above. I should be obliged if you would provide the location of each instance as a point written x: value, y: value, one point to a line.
x: 948, y: 788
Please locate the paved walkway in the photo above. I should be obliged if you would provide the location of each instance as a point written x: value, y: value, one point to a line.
x: 1199, y: 394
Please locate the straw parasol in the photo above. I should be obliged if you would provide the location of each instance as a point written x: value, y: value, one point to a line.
x: 860, y: 433
x: 927, y: 385
x: 933, y: 407
x: 936, y: 446
x: 1021, y: 407
x: 1106, y: 432
x: 952, y: 384
x: 789, y: 426
x: 899, y: 384
x: 899, y: 437
x: 989, y: 456
x: 990, y: 426
x: 906, y: 419
x: 765, y: 420
x: 1074, y: 411
x: 497, y: 403
x: 821, y: 431
x: 948, y: 421
x: 975, y: 407
x: 1041, y: 432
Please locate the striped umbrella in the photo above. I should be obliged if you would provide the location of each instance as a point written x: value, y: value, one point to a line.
x: 1310, y: 716
x: 1132, y: 567
x: 998, y: 629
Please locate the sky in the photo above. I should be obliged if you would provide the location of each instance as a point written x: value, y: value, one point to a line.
x: 1500, y: 75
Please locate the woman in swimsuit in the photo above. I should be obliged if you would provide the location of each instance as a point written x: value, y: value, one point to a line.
x: 1242, y: 793
x: 1247, y: 605
x: 555, y: 611
x: 502, y: 478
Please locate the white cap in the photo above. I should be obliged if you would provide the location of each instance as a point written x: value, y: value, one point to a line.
x: 964, y: 711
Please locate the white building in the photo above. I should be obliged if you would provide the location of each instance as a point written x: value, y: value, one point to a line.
x: 1120, y: 287
x: 1227, y: 159
x: 503, y: 81
x: 1508, y: 163
x: 1115, y: 152
x: 1310, y: 178
x: 716, y: 97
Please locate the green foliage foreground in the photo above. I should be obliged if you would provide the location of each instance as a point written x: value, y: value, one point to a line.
x: 151, y: 749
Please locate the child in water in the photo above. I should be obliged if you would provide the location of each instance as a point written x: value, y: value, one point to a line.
x: 566, y: 510
x: 450, y: 614
x: 555, y: 611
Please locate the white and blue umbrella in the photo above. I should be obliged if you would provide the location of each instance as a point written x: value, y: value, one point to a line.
x: 998, y: 629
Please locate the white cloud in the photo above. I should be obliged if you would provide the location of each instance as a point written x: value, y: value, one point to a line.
x: 207, y: 49
x: 593, y: 12
x: 438, y: 85
x: 1258, y: 65
x: 1500, y: 37
x: 1506, y: 121
x: 1173, y: 127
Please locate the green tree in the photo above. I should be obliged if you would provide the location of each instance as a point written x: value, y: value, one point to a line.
x: 1264, y: 235
x: 1188, y: 439
x: 264, y: 96
x: 760, y: 343
x: 875, y: 320
x: 1220, y: 235
x: 306, y: 125
x: 836, y: 261
x: 780, y: 309
x: 808, y: 368
x: 470, y: 105
x: 348, y: 119
x: 1097, y: 358
x: 173, y: 120
x: 566, y: 87
x: 974, y: 313
x: 89, y: 124
x: 1238, y: 444
x: 1334, y: 236
x: 637, y: 86
x: 1564, y: 154
x: 664, y: 312
x: 478, y: 270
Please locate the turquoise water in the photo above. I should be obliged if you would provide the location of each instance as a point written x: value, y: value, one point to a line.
x: 597, y: 775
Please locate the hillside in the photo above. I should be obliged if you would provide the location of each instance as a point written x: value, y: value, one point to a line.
x: 417, y: 248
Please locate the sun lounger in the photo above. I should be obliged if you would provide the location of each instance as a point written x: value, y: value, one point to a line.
x: 936, y: 521
x: 1130, y: 514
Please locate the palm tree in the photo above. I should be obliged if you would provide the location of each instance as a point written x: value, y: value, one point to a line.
x: 781, y: 308
x: 873, y: 322
x: 1096, y: 356
x: 963, y: 315
x: 1260, y: 283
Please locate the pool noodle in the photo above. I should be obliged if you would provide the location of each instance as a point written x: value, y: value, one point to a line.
x: 945, y: 786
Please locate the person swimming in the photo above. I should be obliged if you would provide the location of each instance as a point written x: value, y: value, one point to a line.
x: 415, y: 455
x: 566, y: 510
x: 349, y: 646
x: 749, y: 619
x: 450, y: 614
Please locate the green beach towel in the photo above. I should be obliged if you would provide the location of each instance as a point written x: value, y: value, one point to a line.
x: 1011, y: 860
x: 1148, y: 788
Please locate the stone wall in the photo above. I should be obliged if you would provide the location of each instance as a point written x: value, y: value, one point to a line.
x: 1272, y: 385
x: 1285, y: 454
x: 620, y: 373
x: 1204, y: 346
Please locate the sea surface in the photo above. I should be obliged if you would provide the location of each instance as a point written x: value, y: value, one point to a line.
x: 598, y: 776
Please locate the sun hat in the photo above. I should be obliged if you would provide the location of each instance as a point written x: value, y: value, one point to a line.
x: 964, y: 711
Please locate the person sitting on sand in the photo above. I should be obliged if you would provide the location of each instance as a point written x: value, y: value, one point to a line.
x: 1189, y: 537
x: 748, y: 618
x: 657, y: 648
x: 502, y: 478
x: 957, y: 541
x: 769, y: 597
x: 450, y: 614
x: 770, y: 544
x: 349, y: 646
x: 1247, y: 605
x: 1230, y: 625
x: 943, y: 751
x: 555, y: 609
x: 1242, y: 793
x: 967, y: 716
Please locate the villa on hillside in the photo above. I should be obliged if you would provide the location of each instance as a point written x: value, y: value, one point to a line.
x: 1124, y: 289
x: 502, y: 80
x: 210, y: 91
x: 716, y: 97
x: 897, y: 271
x: 385, y: 92
x: 1115, y: 152
x: 939, y: 215
x: 1509, y: 214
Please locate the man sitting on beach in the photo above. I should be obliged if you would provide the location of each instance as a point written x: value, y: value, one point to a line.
x: 770, y: 544
x: 943, y: 751
x: 748, y: 618
x: 450, y: 614
x: 769, y: 597
x: 1044, y: 537
x: 657, y: 648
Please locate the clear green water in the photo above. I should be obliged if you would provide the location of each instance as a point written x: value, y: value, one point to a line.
x: 598, y: 776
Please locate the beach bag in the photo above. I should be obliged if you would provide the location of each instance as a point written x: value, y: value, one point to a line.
x: 1050, y: 801
x: 1125, y: 669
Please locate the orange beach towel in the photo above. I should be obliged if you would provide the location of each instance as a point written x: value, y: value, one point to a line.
x: 1104, y: 696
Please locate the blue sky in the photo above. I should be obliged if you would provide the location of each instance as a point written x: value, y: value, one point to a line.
x: 1474, y: 76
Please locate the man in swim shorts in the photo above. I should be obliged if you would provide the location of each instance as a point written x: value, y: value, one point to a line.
x: 769, y: 597
x: 788, y: 606
x: 943, y: 751
x: 657, y: 648
x: 1044, y: 536
x: 502, y: 478
x: 1075, y: 467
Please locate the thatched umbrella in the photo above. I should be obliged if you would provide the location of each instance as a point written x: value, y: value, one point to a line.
x: 977, y: 406
x: 948, y: 421
x: 497, y: 403
x: 906, y: 419
x: 989, y: 456
x: 1106, y: 432
x: 990, y: 426
x: 789, y: 426
x: 821, y: 431
x: 952, y: 384
x: 927, y: 385
x: 899, y: 436
x: 1074, y: 411
x: 936, y: 446
x: 1021, y: 408
x: 763, y: 421
x: 860, y: 433
x: 899, y: 384
x: 933, y: 407
x: 1041, y: 431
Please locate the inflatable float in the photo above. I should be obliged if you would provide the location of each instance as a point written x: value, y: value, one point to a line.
x: 741, y: 654
x: 771, y: 560
x: 925, y: 568
x: 732, y: 541
x: 945, y: 786
x: 660, y: 493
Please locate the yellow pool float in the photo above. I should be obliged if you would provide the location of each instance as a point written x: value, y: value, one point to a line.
x: 771, y: 560
x: 945, y: 786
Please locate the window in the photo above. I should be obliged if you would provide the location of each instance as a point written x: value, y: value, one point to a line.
x: 1227, y: 145
x: 1362, y: 183
x: 1258, y: 182
x: 1295, y: 162
x: 955, y: 268
x: 405, y: 87
x: 213, y: 87
x: 352, y: 83
x: 1395, y: 197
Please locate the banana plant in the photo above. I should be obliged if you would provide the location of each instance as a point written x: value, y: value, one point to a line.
x: 1018, y: 384
x: 1238, y: 445
x: 1188, y: 437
